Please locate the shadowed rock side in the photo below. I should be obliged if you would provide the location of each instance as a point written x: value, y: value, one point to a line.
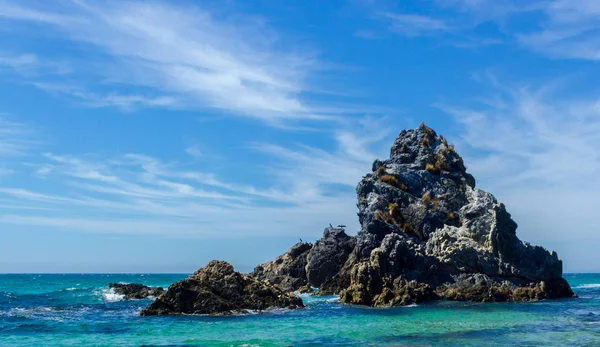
x: 427, y: 233
x: 135, y: 290
x: 328, y: 255
x: 306, y: 265
x: 288, y: 271
x: 217, y: 289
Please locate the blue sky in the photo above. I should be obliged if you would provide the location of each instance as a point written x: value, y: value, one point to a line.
x: 155, y: 136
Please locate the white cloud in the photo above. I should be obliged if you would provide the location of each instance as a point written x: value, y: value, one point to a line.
x: 183, y: 57
x: 15, y: 138
x: 415, y: 25
x: 307, y: 188
x: 570, y: 30
x: 194, y: 151
x: 555, y: 28
x: 537, y: 151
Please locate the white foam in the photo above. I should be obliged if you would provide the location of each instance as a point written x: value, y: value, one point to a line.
x: 333, y: 299
x: 109, y: 295
x: 590, y: 285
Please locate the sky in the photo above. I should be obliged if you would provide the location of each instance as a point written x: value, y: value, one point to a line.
x: 151, y: 136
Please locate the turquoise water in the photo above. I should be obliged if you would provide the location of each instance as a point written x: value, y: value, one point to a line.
x: 78, y: 310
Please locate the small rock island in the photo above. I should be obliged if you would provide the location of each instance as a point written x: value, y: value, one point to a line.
x: 426, y: 233
x: 135, y: 290
x: 217, y: 289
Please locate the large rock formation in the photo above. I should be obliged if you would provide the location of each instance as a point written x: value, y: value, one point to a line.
x: 135, y: 290
x: 217, y: 289
x: 427, y: 232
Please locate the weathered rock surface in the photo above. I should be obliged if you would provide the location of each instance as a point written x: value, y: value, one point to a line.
x: 427, y: 232
x: 135, y: 290
x: 308, y: 265
x: 326, y: 258
x: 288, y: 271
x: 217, y: 289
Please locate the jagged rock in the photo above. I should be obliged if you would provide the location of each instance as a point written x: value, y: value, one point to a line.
x: 305, y: 289
x: 315, y: 265
x: 135, y: 290
x: 217, y: 289
x: 427, y: 232
x: 328, y: 255
x: 288, y: 271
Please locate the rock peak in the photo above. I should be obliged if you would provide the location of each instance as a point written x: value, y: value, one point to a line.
x: 423, y: 149
x: 423, y: 220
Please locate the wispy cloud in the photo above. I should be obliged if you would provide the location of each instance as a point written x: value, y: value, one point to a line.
x: 182, y: 57
x: 415, y: 25
x: 556, y: 28
x: 570, y: 30
x: 15, y: 137
x: 536, y: 150
x: 30, y: 65
x: 306, y: 189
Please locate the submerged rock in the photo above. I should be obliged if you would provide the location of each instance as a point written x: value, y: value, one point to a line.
x: 217, y: 289
x: 135, y: 290
x: 427, y: 232
x: 288, y: 271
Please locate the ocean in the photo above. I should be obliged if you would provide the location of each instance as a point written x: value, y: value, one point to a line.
x: 79, y: 310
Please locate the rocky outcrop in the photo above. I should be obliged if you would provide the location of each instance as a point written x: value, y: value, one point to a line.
x: 217, y: 289
x: 288, y: 271
x: 306, y: 265
x: 328, y: 255
x: 427, y: 232
x: 135, y: 290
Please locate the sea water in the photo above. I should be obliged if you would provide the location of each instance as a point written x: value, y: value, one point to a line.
x: 80, y: 310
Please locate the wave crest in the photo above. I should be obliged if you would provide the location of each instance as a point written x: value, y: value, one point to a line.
x: 109, y: 295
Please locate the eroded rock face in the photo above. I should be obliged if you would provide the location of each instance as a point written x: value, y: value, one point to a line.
x: 288, y: 271
x: 217, y: 289
x: 427, y: 232
x: 328, y: 255
x: 135, y: 290
x: 306, y: 265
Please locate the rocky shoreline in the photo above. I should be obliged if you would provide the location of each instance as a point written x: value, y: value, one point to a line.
x: 426, y: 233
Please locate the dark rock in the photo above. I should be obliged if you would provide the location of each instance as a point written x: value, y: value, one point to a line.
x: 315, y: 265
x: 288, y: 271
x: 427, y: 232
x: 328, y: 255
x: 135, y: 290
x: 217, y: 289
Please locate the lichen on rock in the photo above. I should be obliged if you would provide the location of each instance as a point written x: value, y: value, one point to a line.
x: 427, y: 232
x: 217, y: 289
